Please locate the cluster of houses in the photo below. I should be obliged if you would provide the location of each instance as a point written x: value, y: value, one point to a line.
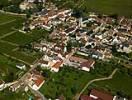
x: 29, y: 4
x: 32, y: 80
x: 96, y: 35
x: 100, y: 95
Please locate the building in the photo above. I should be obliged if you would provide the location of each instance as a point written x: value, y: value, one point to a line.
x: 44, y: 63
x: 36, y: 81
x: 100, y: 95
x: 83, y: 64
x: 21, y: 66
x: 86, y: 66
x: 56, y: 66
x: 25, y: 5
x: 86, y: 97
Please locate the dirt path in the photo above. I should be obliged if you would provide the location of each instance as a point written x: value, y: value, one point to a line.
x: 95, y: 80
x: 2, y: 11
x: 3, y: 36
x: 9, y: 43
x: 7, y: 22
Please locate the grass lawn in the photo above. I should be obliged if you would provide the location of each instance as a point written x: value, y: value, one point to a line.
x: 68, y: 82
x: 120, y: 83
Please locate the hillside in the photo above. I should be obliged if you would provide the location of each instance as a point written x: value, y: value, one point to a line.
x: 119, y: 7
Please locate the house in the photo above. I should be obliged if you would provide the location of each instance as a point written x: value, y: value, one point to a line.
x: 86, y: 66
x: 56, y: 66
x: 100, y: 95
x: 77, y: 59
x: 119, y: 98
x: 25, y: 6
x: 125, y: 47
x: 16, y: 86
x: 36, y: 81
x: 40, y: 47
x: 83, y: 64
x: 21, y: 66
x: 44, y: 63
x: 85, y: 97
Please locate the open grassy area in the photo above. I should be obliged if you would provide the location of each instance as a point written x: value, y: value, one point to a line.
x: 119, y: 7
x: 67, y: 82
x: 121, y: 83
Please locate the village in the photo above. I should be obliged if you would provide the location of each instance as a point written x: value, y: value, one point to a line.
x: 74, y: 42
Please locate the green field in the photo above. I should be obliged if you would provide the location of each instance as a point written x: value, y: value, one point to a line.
x: 18, y: 38
x: 67, y: 82
x: 8, y: 22
x: 8, y: 70
x: 119, y: 7
x: 120, y: 83
x: 11, y: 39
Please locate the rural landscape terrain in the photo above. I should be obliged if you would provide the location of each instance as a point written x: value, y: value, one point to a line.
x: 65, y: 49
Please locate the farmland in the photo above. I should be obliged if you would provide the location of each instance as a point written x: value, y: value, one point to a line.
x: 119, y: 7
x: 11, y: 39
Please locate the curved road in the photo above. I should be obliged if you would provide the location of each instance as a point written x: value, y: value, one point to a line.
x: 95, y: 80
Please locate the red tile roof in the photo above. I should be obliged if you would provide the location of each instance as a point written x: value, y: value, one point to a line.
x: 88, y: 63
x: 101, y: 94
x: 77, y: 59
x: 57, y: 64
x: 38, y: 80
x: 86, y: 97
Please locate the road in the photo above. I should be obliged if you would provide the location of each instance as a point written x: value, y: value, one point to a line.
x: 95, y: 80
x: 38, y: 94
x: 2, y: 11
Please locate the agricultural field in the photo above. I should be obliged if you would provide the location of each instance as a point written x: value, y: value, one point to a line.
x: 8, y: 70
x: 119, y: 7
x: 18, y: 38
x: 11, y: 39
